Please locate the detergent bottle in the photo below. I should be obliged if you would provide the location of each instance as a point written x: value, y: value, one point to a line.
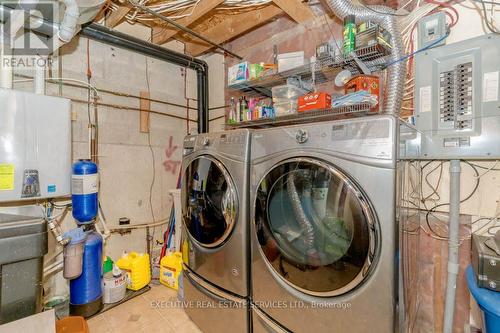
x: 136, y: 265
x: 170, y: 269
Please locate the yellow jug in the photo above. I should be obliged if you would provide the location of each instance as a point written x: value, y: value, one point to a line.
x: 137, y: 267
x: 170, y: 269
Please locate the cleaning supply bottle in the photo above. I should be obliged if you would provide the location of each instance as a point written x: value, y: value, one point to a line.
x: 232, y: 112
x: 244, y: 109
x: 170, y: 269
x: 107, y: 264
x: 137, y: 267
x: 239, y: 110
x: 349, y: 34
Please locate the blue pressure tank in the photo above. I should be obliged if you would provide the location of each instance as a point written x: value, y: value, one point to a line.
x: 84, y: 188
x: 86, y: 290
x: 488, y: 301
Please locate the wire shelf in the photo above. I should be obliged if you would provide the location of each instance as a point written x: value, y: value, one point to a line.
x: 323, y: 70
x: 348, y: 111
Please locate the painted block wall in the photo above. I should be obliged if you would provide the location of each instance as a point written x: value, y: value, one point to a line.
x: 129, y: 160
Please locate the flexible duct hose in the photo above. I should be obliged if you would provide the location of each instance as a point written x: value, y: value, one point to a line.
x: 303, y: 208
x: 397, y: 71
x: 300, y: 215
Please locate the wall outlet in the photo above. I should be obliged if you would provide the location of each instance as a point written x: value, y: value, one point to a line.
x: 74, y: 116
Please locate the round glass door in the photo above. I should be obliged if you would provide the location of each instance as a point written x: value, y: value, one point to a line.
x: 209, y: 202
x: 315, y: 227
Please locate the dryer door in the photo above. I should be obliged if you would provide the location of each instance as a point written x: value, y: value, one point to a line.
x: 209, y: 202
x: 315, y: 227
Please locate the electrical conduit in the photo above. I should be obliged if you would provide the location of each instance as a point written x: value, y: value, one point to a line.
x: 396, y: 72
x: 453, y: 246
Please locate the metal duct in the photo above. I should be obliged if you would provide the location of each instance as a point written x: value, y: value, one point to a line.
x: 397, y: 71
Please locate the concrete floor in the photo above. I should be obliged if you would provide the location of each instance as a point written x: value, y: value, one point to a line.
x: 153, y: 311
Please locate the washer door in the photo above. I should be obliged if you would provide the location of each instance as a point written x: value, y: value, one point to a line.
x: 315, y: 227
x: 209, y: 202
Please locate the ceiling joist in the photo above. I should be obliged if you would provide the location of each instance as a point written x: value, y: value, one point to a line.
x: 162, y: 33
x: 297, y: 10
x: 232, y: 26
x: 115, y: 17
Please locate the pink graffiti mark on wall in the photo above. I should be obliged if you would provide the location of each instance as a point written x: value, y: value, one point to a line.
x: 170, y: 164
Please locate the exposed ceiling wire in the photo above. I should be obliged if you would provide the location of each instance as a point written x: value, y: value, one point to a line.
x: 176, y: 9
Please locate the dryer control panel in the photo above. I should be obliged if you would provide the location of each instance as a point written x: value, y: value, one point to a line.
x: 372, y: 141
x: 234, y: 143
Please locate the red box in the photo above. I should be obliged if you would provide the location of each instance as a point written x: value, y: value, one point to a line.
x: 369, y: 83
x: 314, y: 101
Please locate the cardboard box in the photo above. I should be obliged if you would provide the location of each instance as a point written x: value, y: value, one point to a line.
x: 314, y: 101
x: 237, y: 73
x: 255, y: 71
x: 369, y: 83
x: 291, y: 60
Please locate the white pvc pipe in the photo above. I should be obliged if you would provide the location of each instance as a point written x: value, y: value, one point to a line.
x: 55, y: 269
x: 53, y: 265
x: 67, y: 28
x: 105, y: 228
x: 40, y: 76
x: 15, y: 22
x: 5, y: 71
x: 453, y: 246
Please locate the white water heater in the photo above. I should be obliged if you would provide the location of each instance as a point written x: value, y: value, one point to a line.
x: 35, y: 146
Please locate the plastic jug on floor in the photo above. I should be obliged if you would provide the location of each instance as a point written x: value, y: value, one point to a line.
x: 137, y: 267
x: 170, y: 269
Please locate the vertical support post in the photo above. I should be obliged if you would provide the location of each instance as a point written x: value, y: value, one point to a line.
x: 453, y: 246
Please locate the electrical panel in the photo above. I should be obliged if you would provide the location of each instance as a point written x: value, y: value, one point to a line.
x: 457, y: 106
x: 35, y: 146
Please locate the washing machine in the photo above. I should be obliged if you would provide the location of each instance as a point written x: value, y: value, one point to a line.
x: 215, y: 243
x: 323, y: 227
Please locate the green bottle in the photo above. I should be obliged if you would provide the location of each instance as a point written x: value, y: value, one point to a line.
x: 349, y: 34
x: 107, y: 265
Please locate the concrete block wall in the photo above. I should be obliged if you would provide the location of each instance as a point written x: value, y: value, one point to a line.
x: 129, y: 160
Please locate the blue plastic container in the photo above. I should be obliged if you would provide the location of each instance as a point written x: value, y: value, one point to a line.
x: 84, y: 191
x: 86, y: 290
x: 488, y: 301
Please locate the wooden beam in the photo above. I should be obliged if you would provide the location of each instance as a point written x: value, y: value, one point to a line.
x: 102, y: 12
x: 162, y: 34
x: 296, y: 9
x: 231, y: 27
x: 113, y: 19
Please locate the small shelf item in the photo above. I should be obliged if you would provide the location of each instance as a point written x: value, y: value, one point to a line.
x: 323, y: 70
x: 307, y: 117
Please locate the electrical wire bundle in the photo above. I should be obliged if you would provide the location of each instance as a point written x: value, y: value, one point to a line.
x: 409, y: 24
x: 176, y: 9
x: 437, y: 228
